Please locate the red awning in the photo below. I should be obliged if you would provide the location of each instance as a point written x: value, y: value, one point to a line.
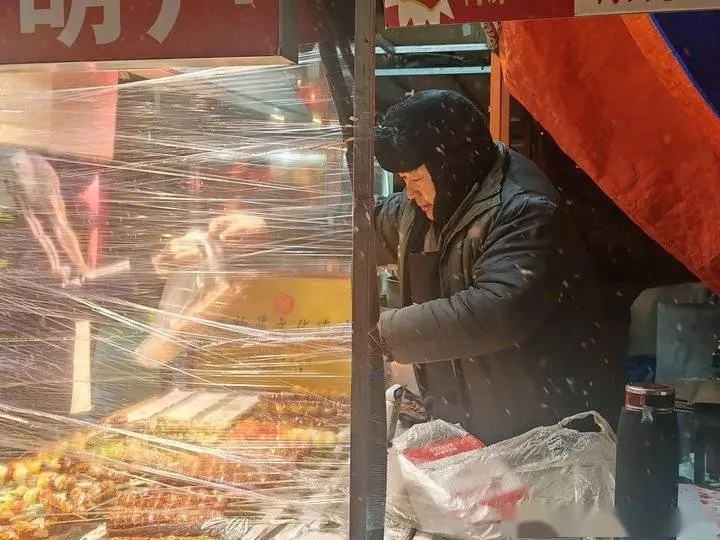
x: 615, y: 102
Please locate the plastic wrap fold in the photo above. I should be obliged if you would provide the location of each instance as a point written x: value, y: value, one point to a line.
x: 158, y: 378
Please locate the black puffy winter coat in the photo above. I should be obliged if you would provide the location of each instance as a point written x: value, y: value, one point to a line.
x: 520, y: 335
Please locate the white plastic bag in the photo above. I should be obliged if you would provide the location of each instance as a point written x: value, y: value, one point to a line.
x: 443, y: 481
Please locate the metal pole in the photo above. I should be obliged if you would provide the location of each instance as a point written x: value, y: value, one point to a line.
x: 499, y: 103
x: 368, y: 452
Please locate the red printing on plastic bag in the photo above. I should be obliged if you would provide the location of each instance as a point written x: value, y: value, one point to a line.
x: 442, y: 449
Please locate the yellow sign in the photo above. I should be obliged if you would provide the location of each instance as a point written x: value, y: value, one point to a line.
x: 277, y: 304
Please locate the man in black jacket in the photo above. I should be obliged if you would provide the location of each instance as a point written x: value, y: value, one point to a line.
x: 500, y: 318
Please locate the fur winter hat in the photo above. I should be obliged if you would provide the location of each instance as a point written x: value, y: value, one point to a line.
x: 444, y: 131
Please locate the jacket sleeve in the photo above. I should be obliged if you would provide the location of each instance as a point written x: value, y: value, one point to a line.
x: 387, y: 219
x: 517, y: 279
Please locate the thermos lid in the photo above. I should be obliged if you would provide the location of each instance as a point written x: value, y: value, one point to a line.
x: 657, y: 396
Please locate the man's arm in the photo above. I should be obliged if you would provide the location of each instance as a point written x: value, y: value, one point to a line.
x: 517, y: 282
x: 63, y: 230
x: 45, y: 241
x: 22, y: 185
x: 246, y: 228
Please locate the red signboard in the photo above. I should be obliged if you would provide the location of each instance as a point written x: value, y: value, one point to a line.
x: 400, y: 13
x: 49, y: 31
x: 415, y: 13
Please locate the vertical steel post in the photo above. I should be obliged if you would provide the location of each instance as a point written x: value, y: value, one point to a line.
x: 368, y: 452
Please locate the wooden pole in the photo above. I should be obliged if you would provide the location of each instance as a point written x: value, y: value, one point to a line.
x: 368, y: 451
x: 499, y: 103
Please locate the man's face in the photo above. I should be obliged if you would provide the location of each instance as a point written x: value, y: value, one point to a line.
x: 420, y: 189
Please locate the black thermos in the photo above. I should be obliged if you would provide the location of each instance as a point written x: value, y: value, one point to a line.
x: 648, y: 455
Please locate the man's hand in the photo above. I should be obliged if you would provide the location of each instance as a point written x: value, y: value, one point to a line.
x: 83, y: 271
x: 179, y: 253
x: 238, y: 227
x: 234, y: 231
x: 64, y: 272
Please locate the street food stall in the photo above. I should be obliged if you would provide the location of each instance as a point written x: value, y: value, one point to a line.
x: 142, y: 397
x: 159, y: 382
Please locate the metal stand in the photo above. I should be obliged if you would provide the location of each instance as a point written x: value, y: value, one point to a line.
x: 499, y: 103
x: 368, y: 452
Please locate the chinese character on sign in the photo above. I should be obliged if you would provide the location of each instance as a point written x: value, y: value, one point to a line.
x: 107, y: 31
x: 166, y: 20
x: 30, y: 16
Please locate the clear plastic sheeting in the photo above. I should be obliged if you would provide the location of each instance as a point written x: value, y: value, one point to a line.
x: 158, y: 378
x: 444, y: 481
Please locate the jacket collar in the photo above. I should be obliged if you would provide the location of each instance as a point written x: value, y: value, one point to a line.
x: 483, y: 196
x: 480, y: 197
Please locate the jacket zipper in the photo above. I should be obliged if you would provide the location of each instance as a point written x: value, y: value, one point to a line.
x: 443, y: 242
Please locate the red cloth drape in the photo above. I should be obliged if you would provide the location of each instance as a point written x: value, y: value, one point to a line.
x: 618, y: 103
